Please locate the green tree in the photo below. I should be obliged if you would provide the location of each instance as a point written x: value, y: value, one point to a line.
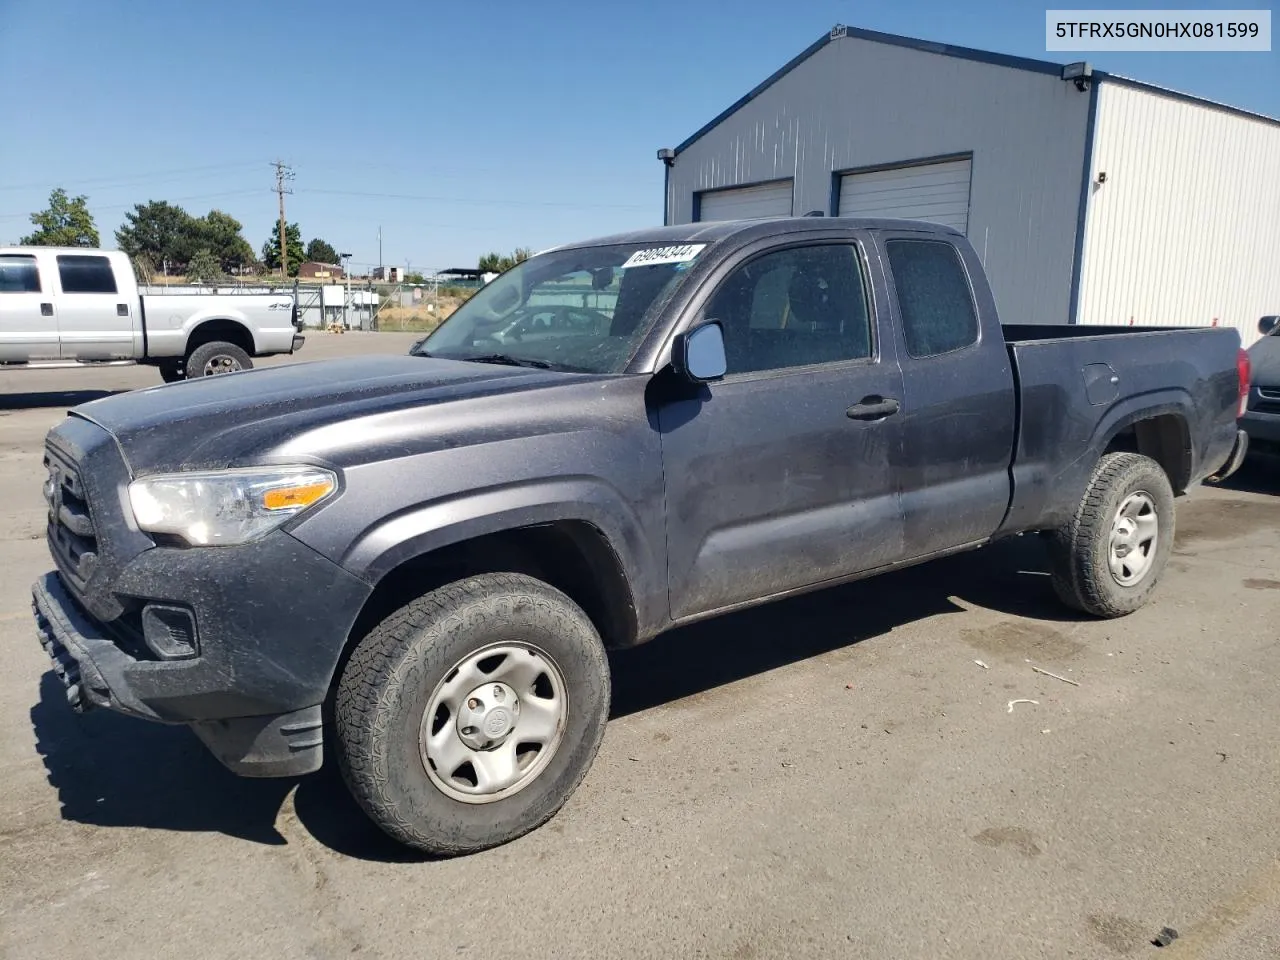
x: 204, y: 267
x: 271, y: 249
x: 67, y: 223
x: 161, y: 232
x: 497, y: 263
x: 220, y: 234
x: 143, y: 268
x: 321, y: 252
x: 169, y: 237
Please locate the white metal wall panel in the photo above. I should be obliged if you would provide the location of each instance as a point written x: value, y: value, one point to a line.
x: 761, y: 200
x: 937, y: 192
x: 856, y: 103
x: 1185, y: 229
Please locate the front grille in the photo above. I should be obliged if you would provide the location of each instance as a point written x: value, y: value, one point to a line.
x: 72, y: 537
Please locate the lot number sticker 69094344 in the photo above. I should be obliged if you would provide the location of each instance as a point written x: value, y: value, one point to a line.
x: 677, y: 253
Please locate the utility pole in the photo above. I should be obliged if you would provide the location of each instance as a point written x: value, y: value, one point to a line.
x: 381, y: 273
x: 284, y: 173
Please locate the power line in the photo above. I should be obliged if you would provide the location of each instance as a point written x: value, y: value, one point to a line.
x: 128, y: 179
x: 479, y: 202
x: 128, y: 206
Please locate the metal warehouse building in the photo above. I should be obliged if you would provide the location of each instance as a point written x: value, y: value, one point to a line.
x: 1093, y: 198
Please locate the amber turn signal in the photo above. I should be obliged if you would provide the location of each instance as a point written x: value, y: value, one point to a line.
x: 290, y: 498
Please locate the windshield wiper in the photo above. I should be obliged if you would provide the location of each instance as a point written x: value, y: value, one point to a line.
x: 509, y: 361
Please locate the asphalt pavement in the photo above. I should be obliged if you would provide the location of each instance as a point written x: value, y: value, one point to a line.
x: 871, y: 771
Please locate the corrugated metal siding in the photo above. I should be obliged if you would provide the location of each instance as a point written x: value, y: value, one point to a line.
x: 935, y: 191
x: 762, y: 200
x: 1186, y: 228
x: 856, y: 103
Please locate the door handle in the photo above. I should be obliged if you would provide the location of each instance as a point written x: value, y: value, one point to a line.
x: 873, y: 408
x: 46, y: 309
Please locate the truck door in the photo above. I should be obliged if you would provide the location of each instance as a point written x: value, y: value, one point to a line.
x: 778, y: 476
x: 958, y: 412
x: 28, y: 320
x: 94, y: 321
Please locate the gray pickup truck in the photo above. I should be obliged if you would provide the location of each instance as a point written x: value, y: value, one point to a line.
x: 419, y: 561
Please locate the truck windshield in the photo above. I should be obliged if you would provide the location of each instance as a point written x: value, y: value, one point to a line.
x: 583, y: 310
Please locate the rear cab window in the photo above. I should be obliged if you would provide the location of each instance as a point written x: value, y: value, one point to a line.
x: 934, y: 300
x: 86, y: 274
x: 19, y: 274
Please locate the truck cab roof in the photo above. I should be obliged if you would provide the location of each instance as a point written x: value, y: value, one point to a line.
x: 744, y: 231
x: 83, y: 251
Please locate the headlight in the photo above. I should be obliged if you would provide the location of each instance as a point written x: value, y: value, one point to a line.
x: 227, y: 506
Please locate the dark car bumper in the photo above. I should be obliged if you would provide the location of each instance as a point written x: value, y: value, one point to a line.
x: 298, y: 340
x: 270, y: 621
x: 1263, y: 428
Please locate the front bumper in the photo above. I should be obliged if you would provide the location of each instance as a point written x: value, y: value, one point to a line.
x: 271, y: 620
x: 90, y: 666
x: 298, y: 340
x: 95, y: 673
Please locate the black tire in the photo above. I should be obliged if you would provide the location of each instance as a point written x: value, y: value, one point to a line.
x: 171, y: 371
x: 388, y: 682
x: 217, y: 353
x: 1080, y: 550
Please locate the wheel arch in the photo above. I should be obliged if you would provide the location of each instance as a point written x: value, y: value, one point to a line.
x: 1161, y: 432
x: 214, y: 329
x: 572, y: 555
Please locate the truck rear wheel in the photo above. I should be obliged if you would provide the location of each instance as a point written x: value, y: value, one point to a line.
x: 210, y: 359
x: 1109, y: 557
x: 468, y: 717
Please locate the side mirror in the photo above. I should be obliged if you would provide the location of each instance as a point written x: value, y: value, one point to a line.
x: 698, y: 354
x: 1268, y: 325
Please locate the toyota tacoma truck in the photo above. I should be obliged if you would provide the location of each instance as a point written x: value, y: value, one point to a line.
x: 418, y: 562
x: 82, y: 306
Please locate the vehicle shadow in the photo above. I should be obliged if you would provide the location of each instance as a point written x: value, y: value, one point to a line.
x: 1009, y: 577
x: 52, y: 398
x: 115, y: 771
x: 1260, y: 473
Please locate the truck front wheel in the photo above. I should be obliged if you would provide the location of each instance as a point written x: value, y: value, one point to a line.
x: 210, y: 359
x: 1109, y: 557
x: 171, y: 371
x: 468, y: 717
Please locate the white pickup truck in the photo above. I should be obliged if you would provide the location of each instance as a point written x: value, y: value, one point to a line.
x: 80, y: 305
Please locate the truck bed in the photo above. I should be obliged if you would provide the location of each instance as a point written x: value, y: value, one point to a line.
x: 1034, y: 332
x: 1079, y: 384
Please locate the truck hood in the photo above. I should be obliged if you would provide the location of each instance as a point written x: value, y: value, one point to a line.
x: 1264, y: 358
x: 240, y: 418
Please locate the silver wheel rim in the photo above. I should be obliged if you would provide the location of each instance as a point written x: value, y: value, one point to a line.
x: 493, y: 723
x: 1135, y: 532
x: 221, y: 363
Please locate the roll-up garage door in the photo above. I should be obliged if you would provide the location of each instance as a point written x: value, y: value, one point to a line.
x: 741, y: 203
x: 938, y: 192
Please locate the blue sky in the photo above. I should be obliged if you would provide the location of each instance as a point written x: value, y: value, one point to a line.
x: 456, y: 128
